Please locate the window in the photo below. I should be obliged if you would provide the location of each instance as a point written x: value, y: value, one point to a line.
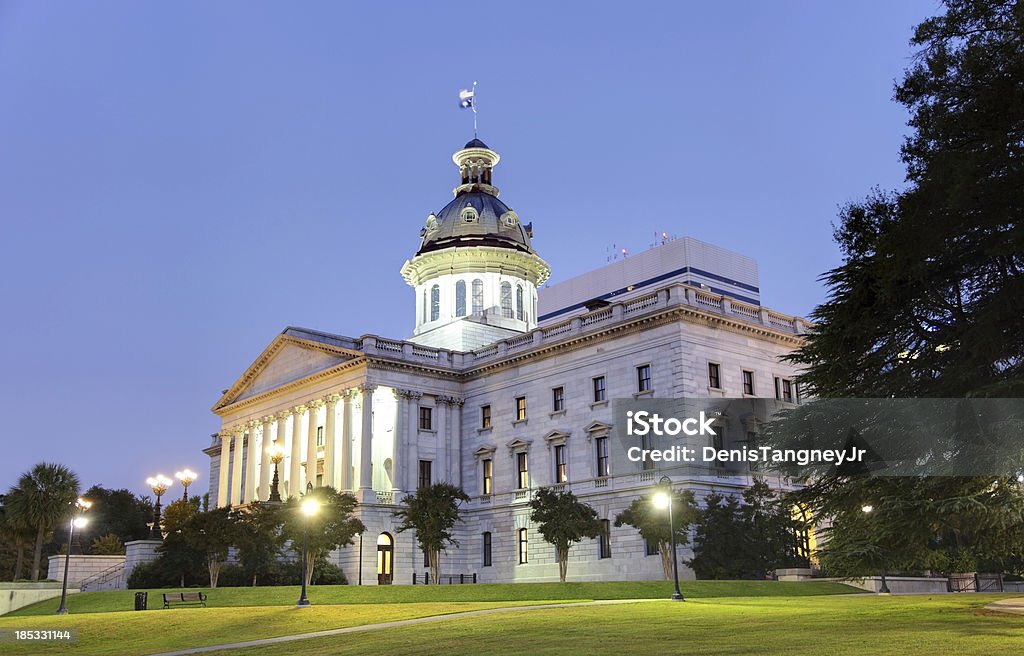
x: 426, y: 418
x: 748, y: 382
x: 643, y: 378
x: 651, y: 548
x: 599, y: 393
x: 487, y: 476
x: 424, y: 473
x: 519, y: 303
x: 435, y: 303
x: 558, y: 399
x: 485, y: 416
x: 319, y: 436
x: 524, y: 541
x: 523, y: 481
x: 520, y: 408
x: 602, y: 457
x: 784, y: 389
x: 460, y: 298
x: 605, y: 544
x: 469, y: 215
x: 561, y: 471
x: 714, y: 375
x: 647, y: 443
x: 478, y: 296
x: 487, y: 548
x: 506, y: 300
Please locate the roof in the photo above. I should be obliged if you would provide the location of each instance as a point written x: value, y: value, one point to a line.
x: 475, y: 143
x: 491, y: 227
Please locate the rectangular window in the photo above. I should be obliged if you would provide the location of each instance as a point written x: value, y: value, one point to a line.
x: 426, y: 418
x: 487, y: 549
x: 558, y: 399
x: 561, y: 470
x: 424, y: 473
x: 319, y: 437
x: 520, y: 408
x: 647, y: 443
x: 643, y: 378
x: 606, y: 539
x: 714, y: 375
x: 524, y: 541
x: 523, y: 480
x: 487, y: 476
x: 784, y: 389
x: 748, y: 382
x: 599, y: 394
x: 602, y: 457
x: 650, y: 548
x: 485, y: 416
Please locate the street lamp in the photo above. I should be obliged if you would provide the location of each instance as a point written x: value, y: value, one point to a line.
x: 310, y: 507
x: 867, y: 508
x: 360, y: 536
x: 78, y: 521
x: 159, y: 484
x: 663, y: 500
x: 276, y: 453
x: 187, y: 477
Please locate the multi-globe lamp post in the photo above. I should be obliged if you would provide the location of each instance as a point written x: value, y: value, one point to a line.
x: 867, y: 509
x: 186, y: 477
x: 159, y: 485
x: 662, y: 500
x: 310, y: 507
x: 276, y: 454
x: 78, y: 521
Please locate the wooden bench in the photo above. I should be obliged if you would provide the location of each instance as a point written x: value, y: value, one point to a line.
x: 184, y: 598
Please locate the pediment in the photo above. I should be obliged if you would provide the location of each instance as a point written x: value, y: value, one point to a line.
x: 556, y: 436
x: 484, y: 451
x: 597, y: 428
x: 285, y: 361
x: 518, y: 445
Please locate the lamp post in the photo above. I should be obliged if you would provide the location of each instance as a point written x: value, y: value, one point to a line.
x: 187, y: 477
x: 159, y: 484
x: 276, y: 453
x: 360, y: 536
x: 867, y: 509
x: 664, y: 500
x: 310, y: 507
x: 78, y: 521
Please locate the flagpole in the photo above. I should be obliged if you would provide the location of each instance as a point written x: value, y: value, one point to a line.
x: 474, y: 109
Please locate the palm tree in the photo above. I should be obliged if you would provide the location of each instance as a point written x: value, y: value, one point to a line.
x: 43, y: 497
x: 15, y: 531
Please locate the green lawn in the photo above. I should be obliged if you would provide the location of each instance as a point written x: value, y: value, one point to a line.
x: 762, y: 626
x: 119, y: 600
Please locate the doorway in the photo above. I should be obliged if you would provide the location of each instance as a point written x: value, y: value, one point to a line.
x: 385, y: 559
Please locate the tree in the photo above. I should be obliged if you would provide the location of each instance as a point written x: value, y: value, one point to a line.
x: 118, y: 512
x: 107, y: 545
x: 17, y: 534
x: 652, y: 523
x: 258, y: 538
x: 718, y: 541
x: 44, y: 497
x: 333, y: 526
x: 177, y: 555
x: 432, y: 512
x: 210, y: 533
x: 927, y: 301
x: 563, y: 520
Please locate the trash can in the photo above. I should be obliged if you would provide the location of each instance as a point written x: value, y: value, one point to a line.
x: 141, y: 600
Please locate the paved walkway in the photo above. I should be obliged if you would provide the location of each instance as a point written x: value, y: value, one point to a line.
x: 396, y: 623
x: 1014, y: 606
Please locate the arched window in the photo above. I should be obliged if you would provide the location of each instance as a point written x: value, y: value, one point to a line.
x: 506, y: 300
x: 478, y: 296
x: 519, y: 302
x: 435, y: 303
x: 460, y: 298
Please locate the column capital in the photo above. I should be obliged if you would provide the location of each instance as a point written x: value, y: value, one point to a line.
x: 238, y: 430
x: 266, y: 419
x: 283, y: 415
x: 450, y: 400
x: 252, y: 424
x: 314, y: 404
x: 407, y: 393
x: 367, y: 388
x: 332, y: 399
x: 299, y: 409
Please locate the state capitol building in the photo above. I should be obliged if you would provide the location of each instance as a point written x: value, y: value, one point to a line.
x: 503, y: 387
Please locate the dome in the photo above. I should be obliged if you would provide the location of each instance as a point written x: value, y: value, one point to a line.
x: 489, y: 222
x: 475, y: 143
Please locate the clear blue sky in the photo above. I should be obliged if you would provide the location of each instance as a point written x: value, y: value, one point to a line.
x: 180, y: 181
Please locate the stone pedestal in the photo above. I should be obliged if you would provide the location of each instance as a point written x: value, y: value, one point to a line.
x: 138, y: 552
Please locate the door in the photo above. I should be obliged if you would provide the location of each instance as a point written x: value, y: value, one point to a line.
x: 385, y: 559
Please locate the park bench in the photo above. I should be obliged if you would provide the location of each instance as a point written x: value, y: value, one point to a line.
x: 184, y: 598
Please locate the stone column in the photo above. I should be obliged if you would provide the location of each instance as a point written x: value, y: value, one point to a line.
x: 225, y: 459
x: 281, y: 441
x: 346, y: 440
x: 366, y: 447
x: 236, y: 465
x: 399, y: 441
x: 455, y: 448
x: 249, y: 494
x: 295, y: 485
x: 265, y: 465
x: 440, y: 468
x: 413, y: 426
x: 311, y: 449
x: 330, y: 406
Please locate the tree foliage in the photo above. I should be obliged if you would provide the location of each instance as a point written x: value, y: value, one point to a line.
x: 42, y: 498
x: 652, y: 523
x: 210, y: 533
x: 928, y: 300
x: 118, y: 512
x: 107, y: 545
x: 563, y: 520
x: 432, y: 513
x: 258, y: 537
x: 333, y: 526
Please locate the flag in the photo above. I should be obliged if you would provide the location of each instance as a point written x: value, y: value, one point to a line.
x: 466, y: 98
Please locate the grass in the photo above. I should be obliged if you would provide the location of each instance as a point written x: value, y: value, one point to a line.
x: 120, y: 600
x: 790, y: 626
